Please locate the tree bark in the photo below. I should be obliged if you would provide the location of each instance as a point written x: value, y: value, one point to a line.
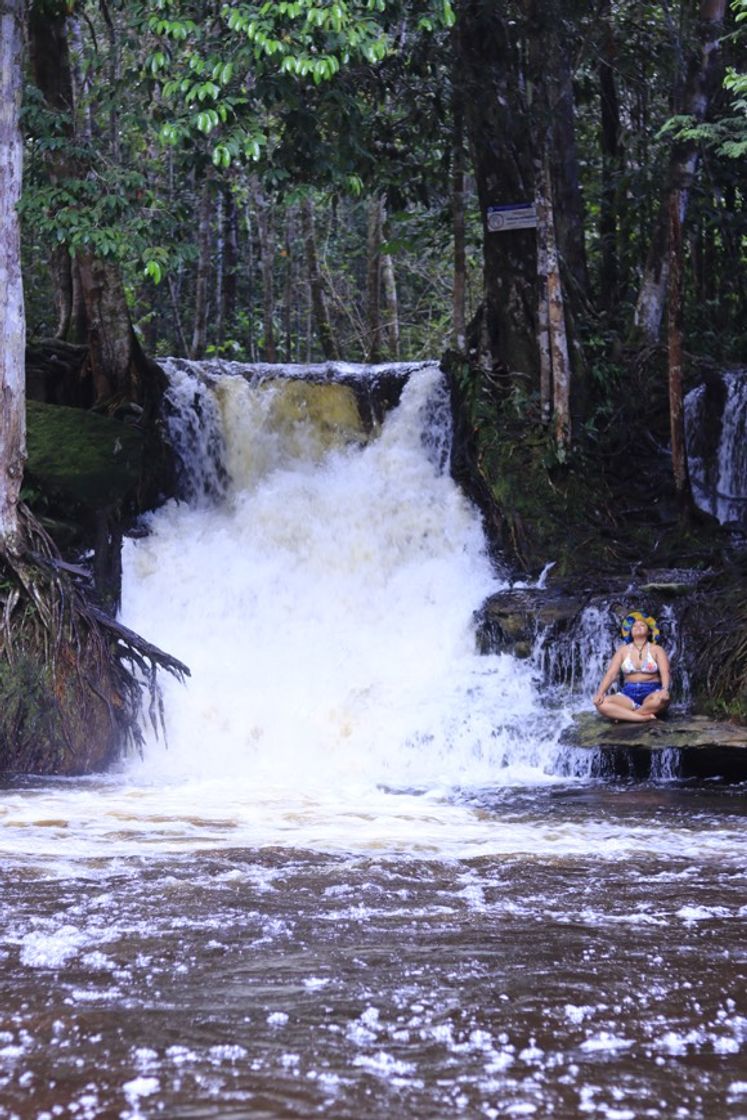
x: 570, y: 218
x: 610, y: 132
x: 702, y: 79
x: 675, y: 353
x: 497, y: 126
x: 115, y: 360
x: 327, y: 339
x: 231, y: 260
x: 12, y: 317
x: 561, y: 366
x: 391, y: 302
x: 202, y: 279
x: 265, y: 234
x: 543, y: 310
x: 373, y: 279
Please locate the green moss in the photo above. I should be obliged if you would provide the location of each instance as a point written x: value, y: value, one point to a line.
x: 79, y: 458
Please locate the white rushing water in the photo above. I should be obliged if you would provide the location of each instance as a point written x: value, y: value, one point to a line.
x: 324, y: 607
x: 719, y: 478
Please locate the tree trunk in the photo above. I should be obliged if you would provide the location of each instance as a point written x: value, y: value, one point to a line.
x: 175, y: 300
x: 231, y: 260
x: 202, y: 279
x: 115, y: 360
x: 675, y: 352
x: 459, y: 288
x: 373, y: 279
x: 498, y: 131
x: 288, y: 285
x: 391, y: 302
x: 12, y: 318
x: 610, y: 132
x: 220, y: 266
x: 570, y: 218
x: 702, y: 79
x: 327, y: 339
x: 561, y: 367
x: 543, y: 310
x: 265, y: 234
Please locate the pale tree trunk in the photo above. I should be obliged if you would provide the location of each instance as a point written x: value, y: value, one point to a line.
x: 266, y: 237
x: 702, y: 79
x: 554, y: 360
x: 459, y: 324
x: 220, y: 262
x: 327, y: 338
x: 202, y: 280
x: 560, y: 363
x: 391, y: 303
x: 12, y: 319
x: 288, y: 286
x: 675, y: 354
x: 543, y: 311
x: 373, y: 279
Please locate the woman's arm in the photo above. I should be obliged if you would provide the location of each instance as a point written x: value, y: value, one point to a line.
x: 610, y: 675
x: 662, y: 661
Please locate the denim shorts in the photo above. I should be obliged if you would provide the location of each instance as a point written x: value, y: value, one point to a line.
x: 637, y: 691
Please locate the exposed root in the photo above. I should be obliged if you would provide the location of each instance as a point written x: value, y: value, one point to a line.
x: 72, y: 680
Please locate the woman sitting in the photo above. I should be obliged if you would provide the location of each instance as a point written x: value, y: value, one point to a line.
x: 645, y: 668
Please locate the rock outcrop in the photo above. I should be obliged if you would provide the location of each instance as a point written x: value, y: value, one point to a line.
x: 704, y: 748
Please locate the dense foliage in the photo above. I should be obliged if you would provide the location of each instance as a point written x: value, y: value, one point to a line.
x: 224, y: 118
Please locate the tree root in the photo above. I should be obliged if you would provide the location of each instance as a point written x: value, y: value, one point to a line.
x: 72, y: 679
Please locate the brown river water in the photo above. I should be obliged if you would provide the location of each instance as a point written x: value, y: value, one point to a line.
x: 607, y: 980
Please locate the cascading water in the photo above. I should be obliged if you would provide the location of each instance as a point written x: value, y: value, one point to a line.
x: 325, y: 606
x: 716, y: 425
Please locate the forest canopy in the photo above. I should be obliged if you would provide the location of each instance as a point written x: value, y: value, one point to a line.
x: 283, y: 180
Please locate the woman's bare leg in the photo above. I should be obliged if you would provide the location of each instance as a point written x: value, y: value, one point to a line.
x: 621, y: 707
x: 655, y: 702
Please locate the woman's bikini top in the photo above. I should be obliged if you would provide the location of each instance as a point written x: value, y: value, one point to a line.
x: 648, y: 664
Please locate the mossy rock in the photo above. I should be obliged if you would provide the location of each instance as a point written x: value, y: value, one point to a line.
x: 81, y: 459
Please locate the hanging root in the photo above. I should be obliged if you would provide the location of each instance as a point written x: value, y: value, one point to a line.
x: 72, y: 680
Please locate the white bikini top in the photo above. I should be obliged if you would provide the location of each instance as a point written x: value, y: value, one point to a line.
x: 648, y: 664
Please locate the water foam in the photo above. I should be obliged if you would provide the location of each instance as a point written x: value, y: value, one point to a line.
x: 325, y: 610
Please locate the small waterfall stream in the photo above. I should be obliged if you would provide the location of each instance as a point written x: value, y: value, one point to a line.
x: 716, y: 425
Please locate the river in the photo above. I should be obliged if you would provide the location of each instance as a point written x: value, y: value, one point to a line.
x: 356, y: 876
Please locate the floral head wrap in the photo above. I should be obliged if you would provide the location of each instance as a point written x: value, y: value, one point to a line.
x: 636, y: 616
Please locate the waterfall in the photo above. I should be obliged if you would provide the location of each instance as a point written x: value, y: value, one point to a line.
x: 716, y: 426
x: 320, y: 581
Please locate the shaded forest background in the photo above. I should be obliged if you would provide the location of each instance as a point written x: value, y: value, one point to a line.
x: 284, y: 182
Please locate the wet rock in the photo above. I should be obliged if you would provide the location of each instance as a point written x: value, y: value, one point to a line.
x: 705, y: 748
x: 79, y: 459
x: 508, y: 622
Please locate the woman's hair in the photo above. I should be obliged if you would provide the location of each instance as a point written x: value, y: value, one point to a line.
x: 626, y: 629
